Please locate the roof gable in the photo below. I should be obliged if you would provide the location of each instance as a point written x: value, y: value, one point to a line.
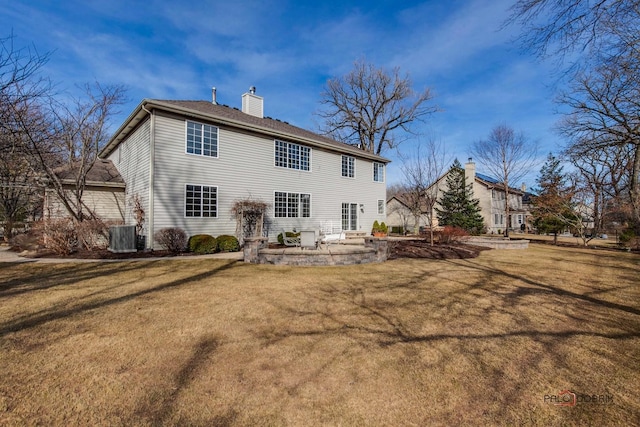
x: 206, y: 110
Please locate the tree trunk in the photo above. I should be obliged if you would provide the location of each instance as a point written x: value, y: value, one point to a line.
x: 635, y: 187
x: 506, y: 210
x: 7, y: 230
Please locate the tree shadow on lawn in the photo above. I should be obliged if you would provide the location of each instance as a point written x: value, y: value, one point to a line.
x: 89, y: 302
x: 43, y: 277
x: 162, y: 406
x: 498, y: 337
x: 542, y: 288
x: 472, y: 343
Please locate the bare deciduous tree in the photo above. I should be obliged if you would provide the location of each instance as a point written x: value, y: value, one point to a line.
x: 19, y: 194
x: 65, y: 141
x: 20, y: 84
x: 602, y: 40
x: 421, y: 172
x: 602, y: 177
x: 508, y: 156
x: 368, y: 106
x: 603, y: 30
x: 605, y: 114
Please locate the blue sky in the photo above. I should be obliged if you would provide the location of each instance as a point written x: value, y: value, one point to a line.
x: 179, y: 50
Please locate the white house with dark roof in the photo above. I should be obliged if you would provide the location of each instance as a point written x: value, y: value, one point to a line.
x: 189, y: 161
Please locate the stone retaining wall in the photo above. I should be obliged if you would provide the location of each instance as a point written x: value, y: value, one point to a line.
x: 374, y: 250
x: 497, y: 243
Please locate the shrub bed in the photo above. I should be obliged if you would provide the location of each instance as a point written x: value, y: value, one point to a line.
x: 227, y: 243
x: 202, y: 244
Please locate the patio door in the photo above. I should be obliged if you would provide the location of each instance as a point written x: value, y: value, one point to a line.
x: 349, y: 216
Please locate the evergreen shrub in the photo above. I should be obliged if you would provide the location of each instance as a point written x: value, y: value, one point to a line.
x: 202, y: 244
x: 228, y: 243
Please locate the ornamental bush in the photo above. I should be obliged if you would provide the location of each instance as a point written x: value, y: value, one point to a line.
x: 202, y: 244
x: 451, y: 234
x: 172, y: 238
x: 60, y: 236
x: 228, y: 243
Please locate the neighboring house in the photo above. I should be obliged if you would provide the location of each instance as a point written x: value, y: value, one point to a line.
x: 401, y: 217
x: 188, y: 162
x: 492, y: 198
x: 104, y: 193
x: 488, y: 191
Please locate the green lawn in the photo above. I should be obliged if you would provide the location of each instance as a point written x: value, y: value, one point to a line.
x: 484, y: 341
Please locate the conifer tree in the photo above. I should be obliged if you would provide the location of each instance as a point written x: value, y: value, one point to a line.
x: 458, y: 208
x: 552, y: 207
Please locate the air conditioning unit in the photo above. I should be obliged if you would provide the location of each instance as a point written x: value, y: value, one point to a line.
x: 122, y: 238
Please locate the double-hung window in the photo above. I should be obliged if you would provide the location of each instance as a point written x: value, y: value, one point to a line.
x: 292, y: 156
x: 378, y: 172
x: 348, y: 166
x: 292, y: 205
x: 202, y: 140
x: 201, y: 201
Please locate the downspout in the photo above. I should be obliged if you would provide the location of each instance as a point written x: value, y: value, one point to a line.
x: 152, y: 149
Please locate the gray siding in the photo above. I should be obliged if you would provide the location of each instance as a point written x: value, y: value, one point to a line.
x: 245, y: 169
x: 132, y: 159
x: 106, y: 203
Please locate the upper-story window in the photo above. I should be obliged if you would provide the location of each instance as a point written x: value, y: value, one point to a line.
x: 292, y: 156
x: 348, y: 166
x: 202, y: 139
x: 378, y: 172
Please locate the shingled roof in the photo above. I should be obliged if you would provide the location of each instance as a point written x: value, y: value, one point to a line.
x: 103, y: 172
x: 206, y: 110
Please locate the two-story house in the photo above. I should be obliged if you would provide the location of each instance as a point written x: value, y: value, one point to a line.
x: 487, y: 190
x: 490, y: 192
x: 189, y: 161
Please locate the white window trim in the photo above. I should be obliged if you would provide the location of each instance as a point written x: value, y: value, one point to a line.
x: 354, y: 166
x: 300, y: 210
x: 184, y: 205
x: 373, y: 175
x: 384, y: 207
x: 275, y: 143
x: 186, y: 150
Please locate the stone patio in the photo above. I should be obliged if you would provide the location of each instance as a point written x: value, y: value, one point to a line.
x: 373, y: 249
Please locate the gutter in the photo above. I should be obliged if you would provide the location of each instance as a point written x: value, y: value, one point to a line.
x: 146, y: 103
x: 95, y: 183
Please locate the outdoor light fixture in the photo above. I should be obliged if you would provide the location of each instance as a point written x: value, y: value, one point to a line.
x: 361, y: 208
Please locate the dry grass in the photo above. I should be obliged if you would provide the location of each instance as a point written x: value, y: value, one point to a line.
x: 407, y: 342
x: 609, y: 242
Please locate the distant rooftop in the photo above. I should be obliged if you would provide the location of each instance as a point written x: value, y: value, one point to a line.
x: 487, y: 178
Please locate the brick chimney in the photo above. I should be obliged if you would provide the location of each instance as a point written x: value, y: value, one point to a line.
x: 253, y: 104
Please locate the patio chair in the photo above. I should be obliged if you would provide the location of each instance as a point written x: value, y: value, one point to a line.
x: 290, y: 241
x: 330, y: 234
